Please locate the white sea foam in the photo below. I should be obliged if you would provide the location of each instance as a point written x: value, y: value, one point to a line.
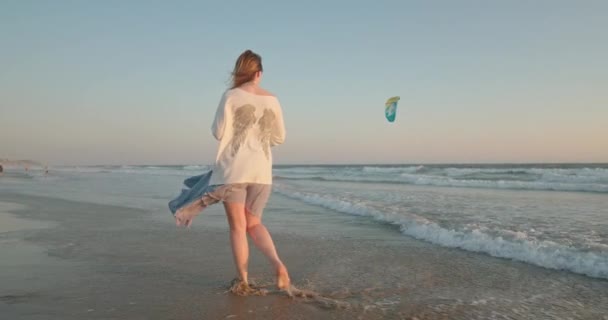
x: 515, y: 245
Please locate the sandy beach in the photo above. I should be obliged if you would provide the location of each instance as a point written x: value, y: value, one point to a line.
x: 77, y: 260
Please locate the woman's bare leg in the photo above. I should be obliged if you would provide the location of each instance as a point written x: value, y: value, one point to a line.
x: 235, y: 212
x: 263, y: 241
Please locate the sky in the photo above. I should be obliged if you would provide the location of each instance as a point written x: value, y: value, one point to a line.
x: 138, y: 82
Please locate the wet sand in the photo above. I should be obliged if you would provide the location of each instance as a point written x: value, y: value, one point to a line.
x: 88, y: 261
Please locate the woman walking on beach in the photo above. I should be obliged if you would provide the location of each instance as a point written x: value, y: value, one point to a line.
x: 248, y: 122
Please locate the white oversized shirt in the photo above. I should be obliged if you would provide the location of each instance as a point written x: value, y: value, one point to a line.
x: 247, y: 126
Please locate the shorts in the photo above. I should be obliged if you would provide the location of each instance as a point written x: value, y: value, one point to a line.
x: 253, y: 195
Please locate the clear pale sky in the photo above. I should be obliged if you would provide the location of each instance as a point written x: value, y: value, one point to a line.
x: 138, y: 82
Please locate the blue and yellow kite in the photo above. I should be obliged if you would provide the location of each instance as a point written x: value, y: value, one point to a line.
x: 391, y: 108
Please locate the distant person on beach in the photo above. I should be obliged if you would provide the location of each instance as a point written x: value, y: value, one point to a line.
x: 248, y: 122
x: 1, y: 170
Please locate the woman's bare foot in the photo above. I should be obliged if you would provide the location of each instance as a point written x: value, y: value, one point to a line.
x: 283, y: 281
x: 242, y: 288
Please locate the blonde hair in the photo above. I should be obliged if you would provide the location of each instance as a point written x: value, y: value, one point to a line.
x: 245, y: 68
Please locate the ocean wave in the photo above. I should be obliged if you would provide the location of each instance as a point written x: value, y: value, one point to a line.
x: 138, y: 170
x: 504, y: 184
x: 196, y: 167
x: 392, y: 169
x: 568, y: 175
x: 518, y: 246
x: 78, y: 169
x: 425, y: 180
x: 549, y: 179
x: 580, y: 179
x: 314, y: 178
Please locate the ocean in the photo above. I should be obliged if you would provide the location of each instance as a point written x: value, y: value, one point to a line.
x: 552, y: 216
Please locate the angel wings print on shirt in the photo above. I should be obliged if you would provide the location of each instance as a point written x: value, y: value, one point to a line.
x: 245, y: 119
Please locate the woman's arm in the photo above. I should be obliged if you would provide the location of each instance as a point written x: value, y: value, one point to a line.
x: 222, y: 117
x: 278, y: 132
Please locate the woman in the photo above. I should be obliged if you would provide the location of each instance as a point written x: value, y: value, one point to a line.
x: 248, y: 122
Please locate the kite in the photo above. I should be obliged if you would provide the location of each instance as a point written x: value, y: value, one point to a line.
x: 391, y: 108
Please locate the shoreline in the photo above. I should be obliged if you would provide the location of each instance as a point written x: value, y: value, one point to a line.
x: 124, y: 263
